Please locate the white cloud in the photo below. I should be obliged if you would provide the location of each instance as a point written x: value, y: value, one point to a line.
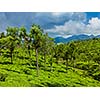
x: 93, y: 26
x: 76, y: 27
x: 69, y: 28
x: 55, y: 14
x: 49, y: 20
x: 46, y: 20
x: 55, y: 23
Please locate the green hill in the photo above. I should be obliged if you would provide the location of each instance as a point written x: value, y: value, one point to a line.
x: 39, y: 62
x: 23, y: 73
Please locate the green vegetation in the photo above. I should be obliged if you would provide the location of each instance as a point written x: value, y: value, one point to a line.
x: 32, y: 59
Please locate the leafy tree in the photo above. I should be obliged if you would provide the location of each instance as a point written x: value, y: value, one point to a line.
x: 59, y: 51
x: 22, y: 34
x: 2, y: 35
x: 51, y: 49
x: 36, y: 36
x: 12, y: 40
x: 72, y: 52
x: 24, y: 37
x: 66, y: 55
x: 12, y: 31
x: 45, y: 47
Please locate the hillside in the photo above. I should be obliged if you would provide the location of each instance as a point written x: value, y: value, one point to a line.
x: 22, y: 72
x: 34, y: 59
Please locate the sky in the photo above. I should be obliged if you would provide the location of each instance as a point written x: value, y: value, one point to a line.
x: 62, y: 24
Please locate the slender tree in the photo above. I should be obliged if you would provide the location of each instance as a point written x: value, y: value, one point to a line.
x: 72, y: 52
x: 36, y: 35
x: 51, y: 45
x: 45, y: 47
x: 59, y: 51
x: 22, y: 34
x: 12, y: 40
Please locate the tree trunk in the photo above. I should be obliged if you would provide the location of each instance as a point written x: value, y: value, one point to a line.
x: 37, y: 67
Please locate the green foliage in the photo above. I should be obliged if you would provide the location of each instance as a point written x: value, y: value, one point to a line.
x: 74, y: 64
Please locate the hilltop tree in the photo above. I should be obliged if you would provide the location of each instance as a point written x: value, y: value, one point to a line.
x: 72, y: 52
x: 66, y: 55
x: 12, y: 31
x: 22, y: 34
x: 26, y: 38
x: 12, y: 40
x: 59, y: 51
x: 51, y: 49
x: 36, y: 36
x: 2, y: 35
x: 45, y: 47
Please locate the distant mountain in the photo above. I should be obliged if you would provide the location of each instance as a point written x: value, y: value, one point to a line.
x: 60, y: 39
x: 74, y: 38
x: 98, y: 36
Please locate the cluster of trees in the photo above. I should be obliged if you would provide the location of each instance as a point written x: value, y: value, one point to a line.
x: 36, y: 40
x: 43, y: 45
x: 84, y: 55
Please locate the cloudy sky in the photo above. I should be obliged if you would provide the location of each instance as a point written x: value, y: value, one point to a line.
x: 55, y: 23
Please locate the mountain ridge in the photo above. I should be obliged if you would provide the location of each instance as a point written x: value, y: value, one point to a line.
x: 74, y: 38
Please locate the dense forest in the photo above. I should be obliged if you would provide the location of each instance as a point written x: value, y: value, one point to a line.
x: 33, y: 59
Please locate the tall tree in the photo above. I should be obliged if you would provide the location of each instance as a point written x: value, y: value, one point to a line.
x: 59, y: 51
x: 36, y: 35
x: 72, y: 52
x: 12, y: 31
x: 45, y: 47
x: 51, y: 49
x: 22, y: 34
x: 12, y: 40
x: 2, y: 35
x: 66, y: 55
